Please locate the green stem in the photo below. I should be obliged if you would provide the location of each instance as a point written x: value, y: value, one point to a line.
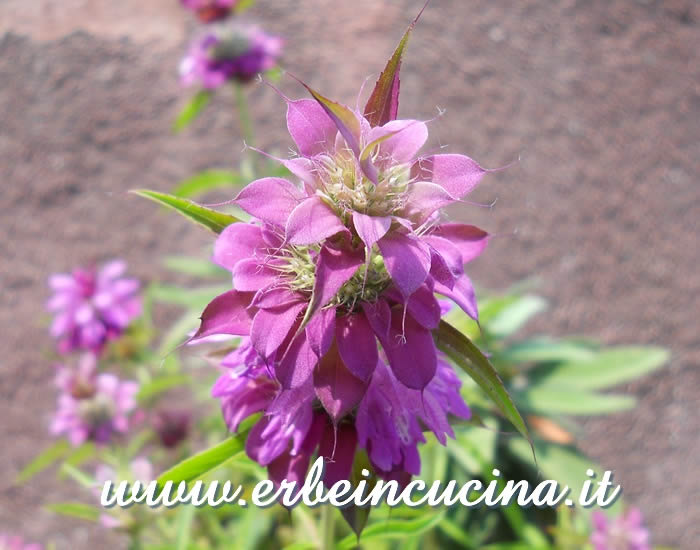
x: 246, y: 126
x: 327, y: 527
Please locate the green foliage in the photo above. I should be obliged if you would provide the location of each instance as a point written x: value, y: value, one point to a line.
x: 211, y: 219
x: 191, y: 110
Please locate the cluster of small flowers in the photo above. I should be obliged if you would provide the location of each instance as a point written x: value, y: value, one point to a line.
x: 625, y: 532
x: 92, y: 307
x: 226, y: 51
x: 335, y: 284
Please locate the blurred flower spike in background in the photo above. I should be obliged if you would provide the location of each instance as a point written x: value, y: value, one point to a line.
x: 92, y: 406
x: 625, y: 532
x: 92, y: 306
x: 209, y: 11
x: 229, y: 52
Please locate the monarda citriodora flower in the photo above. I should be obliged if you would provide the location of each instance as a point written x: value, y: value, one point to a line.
x: 232, y: 52
x: 92, y: 306
x: 335, y: 286
x: 92, y: 406
x: 209, y: 11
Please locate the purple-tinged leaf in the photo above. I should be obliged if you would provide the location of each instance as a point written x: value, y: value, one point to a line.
x: 228, y: 313
x: 338, y: 447
x: 271, y: 327
x: 469, y: 239
x: 423, y: 198
x: 411, y: 351
x: 236, y: 242
x: 407, y: 260
x: 379, y: 316
x: 312, y: 221
x: 250, y: 274
x: 357, y: 345
x: 270, y: 199
x: 310, y: 126
x: 297, y: 363
x: 344, y: 118
x: 320, y: 331
x: 370, y: 228
x: 462, y: 294
x: 336, y: 387
x: 383, y: 103
x: 458, y: 174
x: 399, y: 140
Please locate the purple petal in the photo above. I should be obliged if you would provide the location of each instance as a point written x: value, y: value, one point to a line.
x: 271, y: 327
x: 270, y: 199
x: 469, y: 239
x: 321, y: 330
x: 297, y: 364
x: 458, y: 174
x: 423, y: 198
x: 357, y: 345
x: 407, y: 260
x: 462, y: 294
x: 310, y: 127
x: 370, y: 228
x: 411, y: 351
x: 272, y: 297
x: 406, y: 139
x: 440, y: 269
x: 338, y: 448
x: 311, y: 222
x: 449, y: 253
x: 228, y: 313
x: 333, y: 269
x: 336, y: 387
x: 379, y: 317
x: 289, y: 467
x: 252, y: 275
x: 423, y: 306
x: 236, y: 242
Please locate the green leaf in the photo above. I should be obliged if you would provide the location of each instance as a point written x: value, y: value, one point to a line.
x: 607, y: 368
x: 563, y: 464
x: 191, y: 298
x: 185, y: 518
x: 206, y: 181
x: 392, y: 529
x: 211, y: 219
x: 468, y: 357
x: 511, y: 318
x: 78, y: 475
x: 191, y: 110
x: 457, y: 534
x: 568, y: 400
x: 205, y: 461
x: 75, y: 510
x: 541, y: 350
x: 195, y: 267
x: 160, y: 385
x: 45, y: 459
x: 383, y: 103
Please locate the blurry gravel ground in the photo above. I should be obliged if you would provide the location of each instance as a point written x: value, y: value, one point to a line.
x: 600, y: 100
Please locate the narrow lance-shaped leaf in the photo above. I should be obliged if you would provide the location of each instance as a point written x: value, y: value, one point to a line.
x: 45, y: 459
x: 383, y: 103
x: 206, y: 181
x: 75, y: 510
x: 468, y: 357
x: 197, y: 465
x: 211, y: 219
x: 191, y: 110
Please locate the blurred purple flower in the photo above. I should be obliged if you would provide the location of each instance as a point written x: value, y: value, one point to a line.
x: 229, y: 53
x: 92, y: 406
x: 209, y: 11
x: 172, y: 426
x: 92, y: 306
x: 15, y: 542
x: 625, y: 532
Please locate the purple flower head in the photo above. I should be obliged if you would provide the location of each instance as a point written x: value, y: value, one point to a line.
x: 92, y: 406
x: 209, y: 11
x: 625, y: 532
x: 15, y: 542
x: 335, y: 283
x: 92, y: 306
x: 232, y: 52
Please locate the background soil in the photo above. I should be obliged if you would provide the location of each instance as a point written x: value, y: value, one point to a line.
x: 600, y: 101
